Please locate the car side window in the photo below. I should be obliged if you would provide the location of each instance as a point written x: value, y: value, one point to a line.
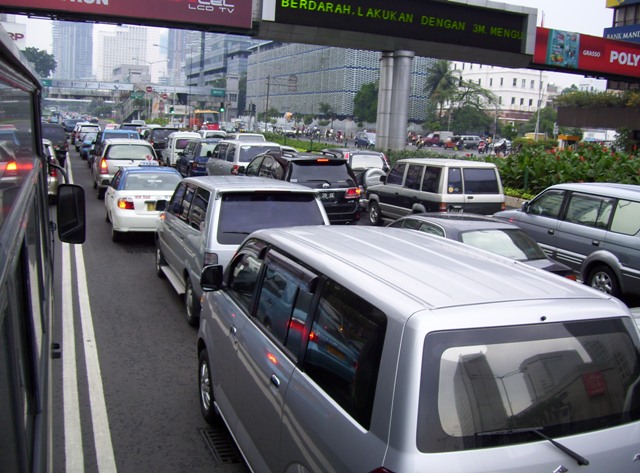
x: 431, y: 229
x: 397, y: 174
x: 243, y: 279
x: 199, y: 209
x: 589, y: 210
x: 344, y: 349
x: 626, y: 219
x: 414, y: 175
x: 454, y: 185
x: 254, y: 169
x: 231, y: 152
x: 115, y: 182
x: 186, y: 203
x: 431, y: 179
x: 176, y: 200
x: 219, y: 151
x: 548, y: 204
x: 284, y: 300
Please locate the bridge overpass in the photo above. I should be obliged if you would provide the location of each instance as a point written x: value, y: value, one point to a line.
x: 131, y: 100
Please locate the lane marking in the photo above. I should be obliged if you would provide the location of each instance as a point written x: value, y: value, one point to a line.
x: 73, y: 452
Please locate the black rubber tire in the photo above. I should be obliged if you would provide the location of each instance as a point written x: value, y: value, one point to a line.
x: 375, y: 217
x: 116, y: 236
x: 191, y: 304
x: 604, y: 279
x: 160, y: 261
x: 205, y: 389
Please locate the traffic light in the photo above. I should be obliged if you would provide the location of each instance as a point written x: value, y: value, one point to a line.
x: 253, y: 108
x: 221, y: 107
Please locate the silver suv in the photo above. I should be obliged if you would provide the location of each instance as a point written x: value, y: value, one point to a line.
x: 592, y: 227
x: 324, y: 353
x: 208, y: 217
x: 229, y: 155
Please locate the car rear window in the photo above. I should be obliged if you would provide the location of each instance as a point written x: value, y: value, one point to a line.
x: 151, y: 181
x: 243, y: 212
x: 135, y: 152
x: 321, y: 171
x: 248, y: 152
x: 491, y: 387
x: 366, y: 161
x: 480, y: 181
x: 181, y: 143
x: 159, y: 134
x: 54, y: 133
x: 514, y: 244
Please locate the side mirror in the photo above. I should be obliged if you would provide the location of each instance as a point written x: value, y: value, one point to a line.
x: 211, y: 278
x: 241, y: 169
x: 71, y: 213
x: 161, y: 205
x: 525, y: 207
x: 383, y: 179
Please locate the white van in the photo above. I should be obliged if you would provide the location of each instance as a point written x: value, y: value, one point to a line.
x: 176, y: 142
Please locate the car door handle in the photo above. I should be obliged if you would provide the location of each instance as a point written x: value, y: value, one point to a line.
x: 595, y: 242
x: 233, y: 330
x: 275, y: 381
x: 551, y: 231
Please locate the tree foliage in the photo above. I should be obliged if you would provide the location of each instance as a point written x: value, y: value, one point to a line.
x: 365, y: 103
x: 43, y: 62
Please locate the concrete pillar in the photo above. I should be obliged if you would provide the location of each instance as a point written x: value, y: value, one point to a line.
x: 401, y: 90
x: 385, y: 88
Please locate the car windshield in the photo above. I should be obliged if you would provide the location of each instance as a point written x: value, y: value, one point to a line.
x: 206, y: 148
x: 151, y: 181
x: 366, y: 161
x: 129, y: 152
x: 243, y: 212
x: 514, y: 244
x: 560, y: 378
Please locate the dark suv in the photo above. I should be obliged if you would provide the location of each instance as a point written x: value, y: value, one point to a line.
x: 55, y: 133
x: 331, y: 176
x: 193, y: 159
x: 158, y: 138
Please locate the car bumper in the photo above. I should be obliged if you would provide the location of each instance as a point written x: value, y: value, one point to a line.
x: 129, y: 221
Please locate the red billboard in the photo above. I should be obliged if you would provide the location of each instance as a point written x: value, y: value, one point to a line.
x: 212, y: 14
x: 566, y: 51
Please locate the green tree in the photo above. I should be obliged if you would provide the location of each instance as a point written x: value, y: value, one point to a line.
x: 325, y: 109
x: 470, y: 119
x: 365, y: 103
x: 548, y: 117
x: 43, y: 62
x: 441, y: 84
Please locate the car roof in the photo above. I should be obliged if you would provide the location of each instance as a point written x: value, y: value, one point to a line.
x: 419, y: 271
x: 126, y: 141
x: 462, y: 222
x: 611, y: 189
x: 447, y: 162
x: 353, y: 151
x: 152, y: 169
x: 245, y: 183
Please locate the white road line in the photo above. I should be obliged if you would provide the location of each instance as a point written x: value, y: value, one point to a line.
x: 101, y: 431
x: 74, y: 457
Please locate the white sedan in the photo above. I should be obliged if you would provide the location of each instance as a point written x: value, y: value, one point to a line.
x: 130, y: 198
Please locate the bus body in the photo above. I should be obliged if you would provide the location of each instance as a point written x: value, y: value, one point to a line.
x: 205, y: 120
x: 27, y: 308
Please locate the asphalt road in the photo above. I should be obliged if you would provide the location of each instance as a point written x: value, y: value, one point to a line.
x: 125, y: 389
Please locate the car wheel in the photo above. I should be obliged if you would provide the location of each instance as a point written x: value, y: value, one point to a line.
x: 95, y: 184
x: 205, y: 387
x: 604, y: 279
x: 160, y: 262
x: 106, y: 217
x: 191, y: 304
x: 100, y: 192
x: 116, y: 236
x: 374, y: 214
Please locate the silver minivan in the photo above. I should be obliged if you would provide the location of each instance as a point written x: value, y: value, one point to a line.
x: 362, y: 349
x: 208, y: 217
x: 592, y: 227
x: 229, y: 155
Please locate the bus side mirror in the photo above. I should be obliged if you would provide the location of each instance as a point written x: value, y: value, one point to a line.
x: 71, y: 214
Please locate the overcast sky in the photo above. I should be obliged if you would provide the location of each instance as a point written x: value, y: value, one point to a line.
x: 582, y: 16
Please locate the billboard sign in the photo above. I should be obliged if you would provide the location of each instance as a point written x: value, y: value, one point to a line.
x: 223, y: 13
x: 623, y: 33
x: 590, y: 55
x: 432, y: 21
x: 17, y: 32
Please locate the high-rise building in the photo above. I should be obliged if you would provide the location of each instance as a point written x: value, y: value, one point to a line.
x: 125, y: 45
x: 72, y: 49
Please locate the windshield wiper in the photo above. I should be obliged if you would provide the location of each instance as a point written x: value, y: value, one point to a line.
x: 538, y: 431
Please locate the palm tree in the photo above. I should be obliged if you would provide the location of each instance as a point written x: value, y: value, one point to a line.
x: 441, y: 84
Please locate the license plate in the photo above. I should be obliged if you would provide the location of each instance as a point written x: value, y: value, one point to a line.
x: 455, y: 210
x: 328, y: 196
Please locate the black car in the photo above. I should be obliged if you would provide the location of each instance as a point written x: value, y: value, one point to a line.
x: 70, y: 123
x: 367, y: 165
x: 56, y: 134
x: 486, y: 233
x: 158, y: 137
x: 331, y: 176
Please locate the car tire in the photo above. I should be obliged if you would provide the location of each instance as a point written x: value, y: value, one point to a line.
x: 95, y: 184
x: 116, y: 236
x: 100, y: 193
x: 191, y: 304
x: 106, y: 217
x: 205, y: 389
x: 160, y: 262
x: 375, y: 218
x: 604, y: 279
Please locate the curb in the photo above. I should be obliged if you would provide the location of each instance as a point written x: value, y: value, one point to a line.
x: 513, y: 202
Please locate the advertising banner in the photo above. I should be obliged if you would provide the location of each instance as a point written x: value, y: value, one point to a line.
x: 589, y: 55
x: 623, y: 33
x: 223, y: 13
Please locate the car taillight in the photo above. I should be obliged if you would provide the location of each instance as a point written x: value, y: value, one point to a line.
x: 572, y: 276
x: 209, y: 259
x: 352, y: 193
x: 125, y: 204
x: 322, y: 160
x: 104, y: 167
x: 12, y: 168
x: 234, y: 169
x: 52, y: 171
x: 442, y: 207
